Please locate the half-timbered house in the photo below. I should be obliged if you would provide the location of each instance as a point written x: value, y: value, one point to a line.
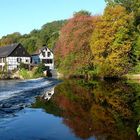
x: 13, y: 55
x: 45, y: 56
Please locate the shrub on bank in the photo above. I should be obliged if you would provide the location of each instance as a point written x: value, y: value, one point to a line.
x: 25, y: 74
x: 36, y: 72
x: 39, y: 71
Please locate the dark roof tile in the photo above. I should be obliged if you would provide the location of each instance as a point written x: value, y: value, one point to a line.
x: 7, y: 50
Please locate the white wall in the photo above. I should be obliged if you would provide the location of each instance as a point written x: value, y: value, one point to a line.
x: 12, y: 62
x: 2, y: 63
x: 51, y: 66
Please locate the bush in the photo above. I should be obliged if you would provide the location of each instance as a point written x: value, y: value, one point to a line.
x: 35, y: 73
x: 23, y: 66
x: 39, y: 71
x: 25, y: 74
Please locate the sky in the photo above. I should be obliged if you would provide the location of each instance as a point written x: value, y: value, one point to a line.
x: 25, y: 15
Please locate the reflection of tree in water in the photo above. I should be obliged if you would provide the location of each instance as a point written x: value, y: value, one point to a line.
x: 103, y: 109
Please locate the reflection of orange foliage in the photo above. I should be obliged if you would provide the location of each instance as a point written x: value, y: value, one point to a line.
x: 103, y: 114
x: 76, y: 117
x: 63, y: 103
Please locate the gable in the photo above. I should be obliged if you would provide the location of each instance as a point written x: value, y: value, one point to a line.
x: 45, y: 53
x: 19, y: 51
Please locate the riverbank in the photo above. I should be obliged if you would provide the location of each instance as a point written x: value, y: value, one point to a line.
x: 24, y: 74
x: 132, y: 76
x: 95, y: 77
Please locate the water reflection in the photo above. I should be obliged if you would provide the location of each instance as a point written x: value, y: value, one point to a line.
x: 104, y: 110
x: 48, y: 94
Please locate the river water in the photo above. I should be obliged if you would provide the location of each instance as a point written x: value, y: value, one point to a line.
x: 47, y: 109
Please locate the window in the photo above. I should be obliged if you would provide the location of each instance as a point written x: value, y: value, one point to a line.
x: 47, y: 68
x: 47, y: 61
x: 49, y: 54
x: 43, y: 53
x: 27, y: 60
x: 51, y: 61
x: 19, y: 60
x: 4, y: 60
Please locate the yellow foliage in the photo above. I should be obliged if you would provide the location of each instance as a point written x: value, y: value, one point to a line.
x: 111, y: 42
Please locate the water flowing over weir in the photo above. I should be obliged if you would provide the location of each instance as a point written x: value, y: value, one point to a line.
x: 15, y: 95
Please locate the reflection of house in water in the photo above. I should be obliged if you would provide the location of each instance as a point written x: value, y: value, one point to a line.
x: 48, y: 94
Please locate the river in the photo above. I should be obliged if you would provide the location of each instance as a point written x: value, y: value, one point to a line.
x: 49, y: 109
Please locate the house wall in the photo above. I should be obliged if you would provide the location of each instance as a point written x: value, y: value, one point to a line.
x: 14, y: 62
x: 35, y: 59
x: 44, y: 58
x: 19, y: 55
x: 2, y: 63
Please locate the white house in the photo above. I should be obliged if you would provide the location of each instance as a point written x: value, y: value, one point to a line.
x: 45, y: 56
x: 13, y: 55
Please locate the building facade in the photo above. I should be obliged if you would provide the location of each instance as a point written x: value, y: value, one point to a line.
x: 12, y: 56
x: 45, y: 56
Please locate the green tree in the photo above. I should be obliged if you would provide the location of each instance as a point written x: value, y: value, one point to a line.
x: 47, y: 35
x: 81, y: 13
x: 30, y: 44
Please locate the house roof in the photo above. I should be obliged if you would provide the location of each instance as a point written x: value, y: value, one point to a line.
x: 7, y: 50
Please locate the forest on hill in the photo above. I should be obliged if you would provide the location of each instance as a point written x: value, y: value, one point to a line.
x: 47, y: 35
x: 106, y: 45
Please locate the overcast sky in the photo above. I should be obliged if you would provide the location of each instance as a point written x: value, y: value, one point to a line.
x: 25, y: 15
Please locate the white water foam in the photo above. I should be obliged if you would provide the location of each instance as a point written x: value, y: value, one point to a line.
x: 31, y: 85
x: 34, y: 80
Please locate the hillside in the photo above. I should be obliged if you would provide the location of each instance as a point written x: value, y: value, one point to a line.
x: 47, y: 35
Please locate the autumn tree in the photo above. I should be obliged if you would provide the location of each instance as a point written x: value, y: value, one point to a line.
x: 111, y: 42
x: 132, y: 7
x: 72, y: 51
